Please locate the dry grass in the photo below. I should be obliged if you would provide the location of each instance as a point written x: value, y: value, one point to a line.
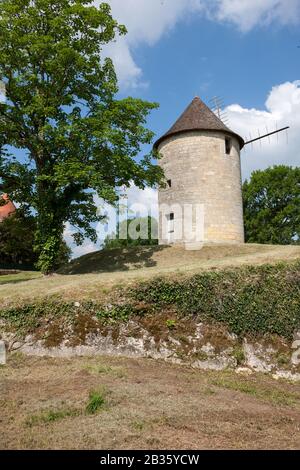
x: 152, y: 405
x: 94, y: 275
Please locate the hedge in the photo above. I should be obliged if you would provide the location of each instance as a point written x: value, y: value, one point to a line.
x: 262, y: 299
x: 257, y: 300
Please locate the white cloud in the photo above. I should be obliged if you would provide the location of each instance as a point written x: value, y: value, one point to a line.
x: 147, y: 199
x: 148, y: 21
x: 282, y: 109
x: 129, y: 74
x: 246, y: 14
x: 87, y: 247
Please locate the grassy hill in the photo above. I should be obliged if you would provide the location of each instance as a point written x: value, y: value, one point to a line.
x: 160, y: 259
x: 92, y: 276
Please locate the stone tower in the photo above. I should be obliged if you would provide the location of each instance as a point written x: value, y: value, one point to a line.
x: 200, y: 157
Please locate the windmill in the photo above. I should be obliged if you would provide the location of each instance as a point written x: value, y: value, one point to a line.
x: 260, y: 137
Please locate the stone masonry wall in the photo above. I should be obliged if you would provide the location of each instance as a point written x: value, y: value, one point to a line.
x: 202, y: 173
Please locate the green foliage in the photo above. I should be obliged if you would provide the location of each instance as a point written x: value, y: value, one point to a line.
x: 61, y: 110
x: 171, y: 324
x: 283, y: 359
x: 115, y: 313
x: 17, y: 241
x: 25, y: 319
x: 96, y: 402
x: 239, y: 355
x: 145, y: 227
x: 272, y: 206
x: 259, y: 300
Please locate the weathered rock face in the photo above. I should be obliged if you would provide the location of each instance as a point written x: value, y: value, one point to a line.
x: 201, y: 172
x: 203, y: 347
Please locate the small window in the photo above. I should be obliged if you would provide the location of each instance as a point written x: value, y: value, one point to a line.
x: 169, y: 183
x: 228, y: 145
x: 170, y: 219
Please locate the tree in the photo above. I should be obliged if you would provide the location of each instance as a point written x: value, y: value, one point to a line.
x: 16, y: 242
x: 61, y: 110
x: 140, y: 231
x: 272, y: 206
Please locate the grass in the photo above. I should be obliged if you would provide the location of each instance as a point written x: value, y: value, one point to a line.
x: 93, y: 276
x: 174, y: 257
x: 138, y: 425
x: 171, y: 324
x: 19, y: 277
x: 104, y: 369
x: 239, y: 355
x: 274, y: 396
x: 50, y: 416
x: 96, y: 402
x: 157, y: 406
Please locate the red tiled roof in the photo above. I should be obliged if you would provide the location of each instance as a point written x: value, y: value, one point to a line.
x: 8, y: 208
x: 198, y: 116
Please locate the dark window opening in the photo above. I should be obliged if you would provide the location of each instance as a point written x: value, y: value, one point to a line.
x: 228, y: 145
x: 169, y: 183
x: 170, y: 219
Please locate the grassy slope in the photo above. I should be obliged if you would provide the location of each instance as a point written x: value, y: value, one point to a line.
x: 92, y: 276
x: 19, y: 277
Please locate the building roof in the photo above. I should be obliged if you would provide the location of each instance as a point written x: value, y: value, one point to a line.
x: 196, y: 117
x: 7, y: 209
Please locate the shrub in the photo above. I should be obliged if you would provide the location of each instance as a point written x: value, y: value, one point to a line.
x: 261, y: 299
x: 96, y: 402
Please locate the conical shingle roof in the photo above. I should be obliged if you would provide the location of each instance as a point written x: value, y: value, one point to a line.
x: 196, y: 117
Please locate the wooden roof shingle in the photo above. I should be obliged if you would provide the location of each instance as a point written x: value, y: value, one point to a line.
x: 198, y: 116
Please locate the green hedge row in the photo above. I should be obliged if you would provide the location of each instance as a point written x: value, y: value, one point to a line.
x: 262, y: 299
x: 25, y: 319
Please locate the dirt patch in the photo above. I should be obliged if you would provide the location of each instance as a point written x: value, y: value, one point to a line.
x: 149, y: 404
